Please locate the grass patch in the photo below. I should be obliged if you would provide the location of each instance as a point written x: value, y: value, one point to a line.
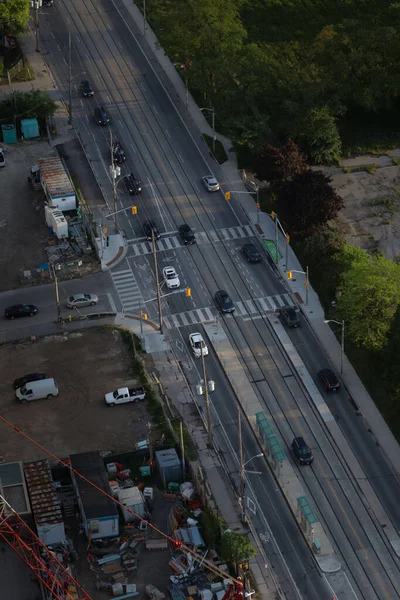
x: 220, y: 155
x: 24, y: 74
x: 367, y: 168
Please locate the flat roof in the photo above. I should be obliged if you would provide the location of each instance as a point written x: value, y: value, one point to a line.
x: 13, y: 488
x: 57, y: 180
x: 46, y: 506
x: 91, y: 466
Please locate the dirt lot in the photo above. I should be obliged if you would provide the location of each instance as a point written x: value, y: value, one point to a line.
x: 23, y: 230
x: 85, y: 365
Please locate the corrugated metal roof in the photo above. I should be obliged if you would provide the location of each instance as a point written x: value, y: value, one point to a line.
x: 54, y: 174
x: 45, y: 503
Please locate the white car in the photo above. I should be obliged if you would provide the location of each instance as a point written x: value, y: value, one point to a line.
x: 80, y: 300
x: 171, y: 277
x: 198, y: 345
x: 2, y: 159
x: 210, y: 183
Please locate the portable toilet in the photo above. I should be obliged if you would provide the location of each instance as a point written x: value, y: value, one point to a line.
x: 9, y: 134
x: 30, y: 128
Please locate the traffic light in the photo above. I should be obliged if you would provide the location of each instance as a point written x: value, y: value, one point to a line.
x: 290, y: 274
x: 188, y: 292
x: 287, y: 238
x: 258, y: 205
x: 134, y: 210
x: 273, y: 215
x: 144, y: 316
x: 227, y: 195
x: 105, y: 230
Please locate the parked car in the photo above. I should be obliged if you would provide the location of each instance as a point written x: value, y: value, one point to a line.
x: 21, y: 381
x: 251, y: 253
x: 329, y: 380
x: 45, y: 388
x: 20, y: 310
x: 81, y: 300
x: 171, y: 277
x: 186, y: 234
x: 125, y: 395
x: 198, y: 345
x: 301, y: 451
x: 291, y: 316
x: 118, y: 153
x: 210, y: 183
x: 149, y: 228
x: 2, y: 159
x: 224, y: 302
x: 101, y: 115
x: 87, y: 89
x: 47, y: 2
x: 132, y: 184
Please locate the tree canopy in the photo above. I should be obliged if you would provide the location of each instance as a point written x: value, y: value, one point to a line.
x: 236, y: 547
x: 29, y: 105
x: 14, y: 15
x: 308, y: 201
x: 278, y: 165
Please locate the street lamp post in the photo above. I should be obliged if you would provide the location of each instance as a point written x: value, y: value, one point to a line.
x: 242, y: 467
x: 341, y: 323
x: 36, y: 4
x: 70, y: 79
x: 212, y: 111
x: 207, y: 398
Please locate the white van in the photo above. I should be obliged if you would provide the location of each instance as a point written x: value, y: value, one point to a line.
x: 45, y: 388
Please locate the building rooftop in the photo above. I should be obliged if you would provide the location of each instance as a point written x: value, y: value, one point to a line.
x: 57, y: 181
x: 46, y: 506
x: 13, y: 488
x: 91, y: 466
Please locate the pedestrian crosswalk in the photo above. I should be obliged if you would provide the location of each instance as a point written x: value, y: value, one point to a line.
x: 127, y: 289
x: 242, y: 309
x: 138, y: 248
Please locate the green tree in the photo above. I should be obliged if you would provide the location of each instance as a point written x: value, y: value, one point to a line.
x: 390, y: 356
x: 30, y: 105
x: 318, y: 135
x: 309, y: 201
x: 14, y: 15
x: 278, y: 165
x: 369, y: 297
x: 235, y: 547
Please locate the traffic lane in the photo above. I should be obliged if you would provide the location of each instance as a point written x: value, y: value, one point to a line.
x: 374, y: 463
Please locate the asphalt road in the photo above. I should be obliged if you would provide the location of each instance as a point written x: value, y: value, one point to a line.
x: 163, y: 154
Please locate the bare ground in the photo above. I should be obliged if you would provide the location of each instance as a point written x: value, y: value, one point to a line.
x: 86, y: 365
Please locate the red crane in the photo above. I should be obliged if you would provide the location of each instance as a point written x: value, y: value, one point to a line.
x: 44, y: 564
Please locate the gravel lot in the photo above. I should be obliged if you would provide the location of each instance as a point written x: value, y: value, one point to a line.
x: 23, y: 230
x: 85, y: 365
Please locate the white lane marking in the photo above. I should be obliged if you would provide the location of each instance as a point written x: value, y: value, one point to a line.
x: 168, y: 134
x: 58, y: 47
x: 78, y: 39
x: 112, y: 303
x: 65, y: 62
x: 181, y: 159
x: 155, y: 110
x: 132, y: 146
x: 119, y: 121
x: 108, y: 99
x: 53, y: 36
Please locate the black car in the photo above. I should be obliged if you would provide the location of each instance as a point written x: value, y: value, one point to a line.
x: 132, y: 184
x: 251, y: 253
x: 18, y: 383
x: 149, y: 228
x: 118, y: 153
x: 224, y: 302
x: 187, y: 235
x: 301, y: 451
x: 47, y: 2
x: 101, y: 115
x: 20, y: 310
x: 291, y: 316
x: 330, y: 382
x: 87, y: 89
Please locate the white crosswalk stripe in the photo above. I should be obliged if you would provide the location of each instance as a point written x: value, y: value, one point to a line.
x: 138, y: 248
x: 243, y: 309
x: 127, y: 289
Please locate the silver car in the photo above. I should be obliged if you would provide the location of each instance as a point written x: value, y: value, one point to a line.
x: 210, y: 183
x: 81, y: 300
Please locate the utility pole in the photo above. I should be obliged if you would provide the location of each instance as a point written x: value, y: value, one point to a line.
x: 306, y: 283
x: 144, y: 17
x: 182, y: 451
x: 209, y: 426
x: 241, y: 463
x: 276, y: 240
x: 57, y: 295
x: 153, y: 243
x: 70, y: 80
x: 342, y: 350
x: 213, y: 127
x: 149, y: 440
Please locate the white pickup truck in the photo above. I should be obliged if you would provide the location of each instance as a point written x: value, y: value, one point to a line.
x: 124, y: 395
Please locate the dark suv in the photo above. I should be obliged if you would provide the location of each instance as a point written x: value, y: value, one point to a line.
x: 329, y: 380
x: 87, y: 89
x: 101, y: 116
x: 132, y: 184
x: 118, y: 153
x: 19, y: 383
x: 291, y: 316
x: 20, y: 310
x: 148, y: 228
x: 301, y: 451
x: 186, y: 234
x: 251, y: 253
